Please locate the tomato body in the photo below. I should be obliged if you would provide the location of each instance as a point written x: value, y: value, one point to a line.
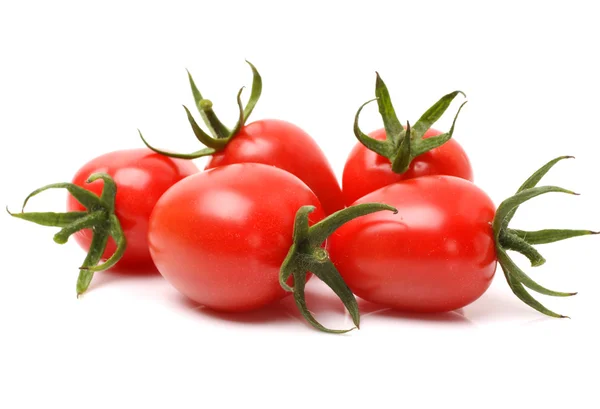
x: 282, y: 144
x: 366, y: 171
x: 142, y: 176
x: 436, y: 254
x: 220, y: 236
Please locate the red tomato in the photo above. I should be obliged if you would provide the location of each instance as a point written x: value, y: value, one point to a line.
x: 220, y: 236
x: 366, y: 171
x: 282, y: 144
x: 142, y: 176
x: 436, y: 254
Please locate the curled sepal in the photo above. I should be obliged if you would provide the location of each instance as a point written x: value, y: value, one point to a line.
x: 220, y: 135
x: 307, y: 255
x: 402, y: 145
x: 99, y: 216
x: 523, y: 241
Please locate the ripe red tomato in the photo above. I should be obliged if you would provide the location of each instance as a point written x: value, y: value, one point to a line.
x: 366, y: 171
x: 436, y: 254
x: 270, y: 142
x: 221, y: 236
x: 286, y: 146
x: 142, y: 176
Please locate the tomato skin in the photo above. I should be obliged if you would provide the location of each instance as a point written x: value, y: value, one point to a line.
x: 366, y: 171
x: 282, y: 144
x: 436, y: 254
x: 142, y: 176
x: 220, y: 237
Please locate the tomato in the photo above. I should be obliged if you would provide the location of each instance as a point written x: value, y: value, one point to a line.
x: 269, y: 141
x: 141, y: 176
x: 399, y: 152
x: 286, y: 146
x: 440, y: 251
x: 221, y: 236
x: 436, y: 254
x: 366, y: 171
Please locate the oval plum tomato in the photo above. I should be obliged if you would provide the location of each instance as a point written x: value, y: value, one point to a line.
x: 439, y: 252
x: 270, y: 142
x: 239, y: 237
x: 141, y: 176
x: 396, y: 153
x: 220, y: 237
x: 109, y: 206
x: 366, y: 171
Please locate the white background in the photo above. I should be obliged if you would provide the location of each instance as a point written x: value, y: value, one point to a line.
x: 77, y: 79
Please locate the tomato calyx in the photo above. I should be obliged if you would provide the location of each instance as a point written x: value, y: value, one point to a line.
x: 220, y: 135
x: 523, y: 241
x: 401, y: 145
x: 307, y: 255
x: 100, y: 217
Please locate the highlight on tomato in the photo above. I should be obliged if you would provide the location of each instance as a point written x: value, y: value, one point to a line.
x: 108, y: 209
x: 390, y: 154
x: 268, y: 141
x: 440, y: 250
x: 233, y: 237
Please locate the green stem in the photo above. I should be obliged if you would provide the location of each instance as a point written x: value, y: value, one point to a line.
x: 211, y: 120
x: 513, y: 242
x: 217, y: 129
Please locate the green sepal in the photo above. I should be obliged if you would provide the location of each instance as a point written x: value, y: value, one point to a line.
x: 116, y: 232
x: 520, y: 291
x: 86, y: 198
x: 241, y: 117
x: 549, y: 235
x: 532, y: 181
x: 307, y: 255
x: 255, y: 91
x: 193, y: 155
x: 515, y: 272
x: 383, y: 148
x: 100, y: 217
x: 393, y: 127
x: 97, y: 246
x: 399, y: 147
x: 507, y: 208
x: 50, y: 218
x: 523, y: 241
x: 220, y: 134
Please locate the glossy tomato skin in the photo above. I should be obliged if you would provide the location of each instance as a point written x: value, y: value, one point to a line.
x: 366, y: 171
x: 282, y: 144
x: 436, y: 254
x: 220, y: 237
x: 142, y: 176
